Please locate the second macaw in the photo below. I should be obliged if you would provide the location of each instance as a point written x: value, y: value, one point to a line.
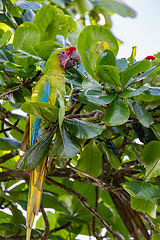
x: 45, y: 91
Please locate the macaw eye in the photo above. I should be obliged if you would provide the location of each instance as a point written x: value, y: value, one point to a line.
x: 63, y: 52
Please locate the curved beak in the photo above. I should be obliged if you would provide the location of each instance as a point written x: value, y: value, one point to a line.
x: 74, y: 59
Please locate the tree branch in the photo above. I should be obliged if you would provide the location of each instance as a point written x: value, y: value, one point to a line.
x: 26, y: 84
x: 8, y: 156
x: 83, y: 200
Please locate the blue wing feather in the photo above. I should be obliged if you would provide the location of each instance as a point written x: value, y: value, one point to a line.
x: 36, y: 127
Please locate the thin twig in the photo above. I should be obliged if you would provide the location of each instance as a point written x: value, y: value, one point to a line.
x: 60, y: 228
x: 94, y: 219
x: 22, y: 85
x: 12, y: 126
x: 47, y: 225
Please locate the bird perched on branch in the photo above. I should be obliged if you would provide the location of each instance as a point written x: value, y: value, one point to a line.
x: 46, y: 89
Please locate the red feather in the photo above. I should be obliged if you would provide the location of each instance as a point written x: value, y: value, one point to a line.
x: 150, y: 57
x: 70, y: 50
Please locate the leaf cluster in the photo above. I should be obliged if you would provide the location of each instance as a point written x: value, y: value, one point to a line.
x: 102, y: 139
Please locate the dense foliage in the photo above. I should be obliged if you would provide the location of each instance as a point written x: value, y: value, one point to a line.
x: 104, y: 151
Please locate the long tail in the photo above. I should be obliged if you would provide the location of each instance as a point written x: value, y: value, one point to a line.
x: 36, y: 184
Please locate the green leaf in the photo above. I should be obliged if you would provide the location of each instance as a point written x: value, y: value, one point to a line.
x: 53, y: 19
x: 122, y: 64
x: 9, y: 144
x: 87, y: 190
x: 132, y: 70
x: 151, y: 158
x: 131, y: 92
x: 37, y: 153
x: 83, y: 6
x: 42, y: 110
x: 65, y: 145
x: 108, y: 74
x: 91, y: 34
x: 26, y: 37
x: 12, y: 8
x: 152, y: 94
x: 144, y: 205
x: 116, y: 6
x: 14, y: 69
x: 25, y: 59
x: 52, y: 217
x: 141, y: 189
x: 4, y: 217
x: 45, y: 48
x: 6, y: 36
x: 17, y: 217
x: 95, y: 50
x: 143, y: 115
x: 82, y: 129
x: 117, y: 113
x: 98, y: 96
x: 93, y: 165
x: 106, y: 58
x: 27, y: 5
x: 148, y: 74
x: 50, y: 201
x: 112, y: 158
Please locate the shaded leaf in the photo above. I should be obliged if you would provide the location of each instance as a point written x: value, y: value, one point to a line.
x: 95, y: 50
x: 90, y: 160
x: 9, y: 144
x: 108, y: 74
x: 143, y: 115
x: 141, y: 189
x: 26, y: 37
x: 117, y: 113
x: 82, y: 129
x: 17, y: 217
x: 83, y: 6
x: 42, y: 110
x: 65, y: 145
x: 116, y: 6
x: 151, y: 158
x: 98, y: 96
x: 27, y: 5
x: 131, y: 92
x: 112, y: 158
x: 37, y: 153
x: 122, y: 64
x: 25, y: 59
x: 106, y: 58
x: 45, y: 48
x: 144, y: 205
x: 12, y: 8
x: 151, y: 94
x: 132, y: 70
x: 6, y: 36
x: 50, y: 201
x: 53, y: 18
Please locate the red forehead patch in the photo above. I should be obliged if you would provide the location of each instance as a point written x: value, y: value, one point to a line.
x: 70, y: 50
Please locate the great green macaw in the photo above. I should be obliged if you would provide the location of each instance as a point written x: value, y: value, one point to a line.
x: 45, y: 91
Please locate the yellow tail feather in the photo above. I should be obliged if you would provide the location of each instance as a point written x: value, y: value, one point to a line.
x: 37, y: 179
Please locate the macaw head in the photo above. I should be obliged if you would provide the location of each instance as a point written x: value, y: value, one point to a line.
x: 69, y: 58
